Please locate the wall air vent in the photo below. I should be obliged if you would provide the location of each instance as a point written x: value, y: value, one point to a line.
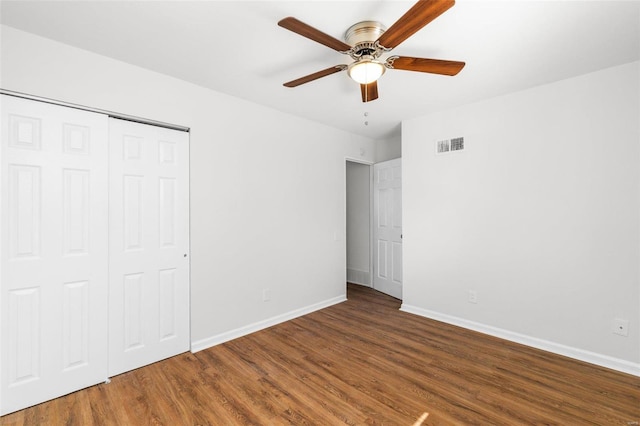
x: 443, y: 146
x: 457, y: 144
x: 449, y: 145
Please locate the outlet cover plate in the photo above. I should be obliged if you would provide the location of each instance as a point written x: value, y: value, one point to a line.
x: 620, y: 326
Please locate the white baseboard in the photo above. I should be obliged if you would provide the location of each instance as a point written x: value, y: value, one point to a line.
x: 357, y: 276
x: 208, y: 342
x: 568, y: 351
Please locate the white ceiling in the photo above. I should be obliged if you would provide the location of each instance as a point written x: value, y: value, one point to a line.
x: 237, y: 48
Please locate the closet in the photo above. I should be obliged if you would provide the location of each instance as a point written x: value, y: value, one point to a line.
x: 94, y: 277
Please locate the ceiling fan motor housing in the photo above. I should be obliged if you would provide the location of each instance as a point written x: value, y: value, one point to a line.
x: 362, y: 36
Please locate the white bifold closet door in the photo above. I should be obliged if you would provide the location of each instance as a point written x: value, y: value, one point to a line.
x: 53, y: 254
x: 148, y: 244
x: 94, y: 231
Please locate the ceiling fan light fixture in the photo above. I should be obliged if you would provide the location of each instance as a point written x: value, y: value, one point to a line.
x: 366, y: 70
x: 368, y: 41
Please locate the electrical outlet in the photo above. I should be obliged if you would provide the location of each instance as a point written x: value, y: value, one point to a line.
x: 266, y: 295
x: 473, y: 296
x: 620, y: 326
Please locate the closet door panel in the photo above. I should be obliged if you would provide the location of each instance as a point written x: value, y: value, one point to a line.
x: 149, y: 229
x: 53, y: 251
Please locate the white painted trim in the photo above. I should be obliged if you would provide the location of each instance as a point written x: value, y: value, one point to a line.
x: 358, y: 160
x: 358, y: 276
x: 208, y: 342
x: 372, y: 270
x: 534, y: 342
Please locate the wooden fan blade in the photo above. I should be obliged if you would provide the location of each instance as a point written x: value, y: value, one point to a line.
x: 305, y: 30
x: 369, y: 91
x: 417, y: 17
x: 433, y: 66
x: 315, y: 76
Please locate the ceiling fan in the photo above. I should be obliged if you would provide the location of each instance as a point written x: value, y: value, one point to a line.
x: 367, y: 41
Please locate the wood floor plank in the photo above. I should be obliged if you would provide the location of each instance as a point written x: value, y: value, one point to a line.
x: 358, y: 362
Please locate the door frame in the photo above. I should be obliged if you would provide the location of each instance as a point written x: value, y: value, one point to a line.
x: 370, y: 164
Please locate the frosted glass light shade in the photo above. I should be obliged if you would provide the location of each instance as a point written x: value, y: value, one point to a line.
x: 366, y: 71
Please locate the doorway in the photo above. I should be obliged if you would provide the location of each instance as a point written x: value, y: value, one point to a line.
x: 374, y: 225
x: 358, y: 220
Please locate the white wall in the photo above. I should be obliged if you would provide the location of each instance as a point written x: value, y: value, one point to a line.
x: 267, y: 189
x: 540, y: 215
x: 358, y: 225
x: 388, y: 149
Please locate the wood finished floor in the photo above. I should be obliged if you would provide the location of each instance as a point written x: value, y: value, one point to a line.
x: 359, y: 362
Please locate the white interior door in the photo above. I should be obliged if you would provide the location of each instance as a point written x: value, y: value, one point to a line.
x: 149, y: 244
x: 53, y: 228
x: 387, y: 229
